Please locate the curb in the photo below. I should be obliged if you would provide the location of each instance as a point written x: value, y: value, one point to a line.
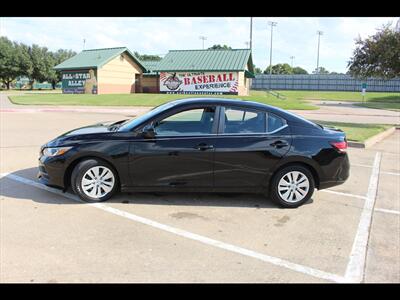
x: 69, y: 110
x: 374, y: 139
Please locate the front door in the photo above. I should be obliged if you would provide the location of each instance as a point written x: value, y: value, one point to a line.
x: 180, y: 154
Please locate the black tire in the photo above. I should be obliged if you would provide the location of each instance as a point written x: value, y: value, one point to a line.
x: 276, y: 197
x: 80, y: 170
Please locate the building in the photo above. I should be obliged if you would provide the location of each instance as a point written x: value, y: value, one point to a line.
x: 117, y: 70
x: 150, y: 79
x: 102, y: 71
x: 227, y: 72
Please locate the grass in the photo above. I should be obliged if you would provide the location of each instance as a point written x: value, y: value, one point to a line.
x: 357, y: 132
x: 381, y: 105
x: 390, y: 101
x: 145, y: 99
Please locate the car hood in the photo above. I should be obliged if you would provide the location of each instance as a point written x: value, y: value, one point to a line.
x: 86, y: 132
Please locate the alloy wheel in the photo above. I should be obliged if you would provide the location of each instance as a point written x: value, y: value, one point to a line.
x: 97, y: 182
x: 293, y: 186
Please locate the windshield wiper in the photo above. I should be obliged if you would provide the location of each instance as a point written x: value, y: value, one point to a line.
x: 116, y: 125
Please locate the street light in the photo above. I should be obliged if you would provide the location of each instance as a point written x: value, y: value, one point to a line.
x: 319, y: 36
x: 272, y: 24
x: 203, y: 38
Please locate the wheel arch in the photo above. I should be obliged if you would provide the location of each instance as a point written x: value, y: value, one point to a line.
x: 303, y: 163
x: 77, y: 160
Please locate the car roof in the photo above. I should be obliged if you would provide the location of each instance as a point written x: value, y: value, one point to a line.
x: 239, y: 102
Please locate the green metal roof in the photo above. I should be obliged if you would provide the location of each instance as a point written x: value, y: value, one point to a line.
x: 95, y: 58
x: 150, y: 65
x: 206, y: 60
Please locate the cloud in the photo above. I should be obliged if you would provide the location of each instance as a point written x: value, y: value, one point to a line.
x: 292, y: 36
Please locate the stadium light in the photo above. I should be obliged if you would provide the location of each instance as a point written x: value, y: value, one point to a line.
x: 292, y: 58
x: 272, y: 24
x: 203, y: 38
x: 319, y: 32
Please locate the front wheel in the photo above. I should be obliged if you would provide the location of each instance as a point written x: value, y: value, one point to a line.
x: 292, y: 186
x: 94, y: 180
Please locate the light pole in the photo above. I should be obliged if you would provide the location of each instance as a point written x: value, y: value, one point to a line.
x: 251, y: 34
x: 203, y: 38
x: 319, y: 32
x: 292, y: 58
x: 272, y: 24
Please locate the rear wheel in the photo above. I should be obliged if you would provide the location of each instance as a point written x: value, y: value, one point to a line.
x: 292, y: 186
x: 94, y: 180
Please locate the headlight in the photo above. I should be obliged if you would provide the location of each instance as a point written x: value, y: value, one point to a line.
x: 56, y: 151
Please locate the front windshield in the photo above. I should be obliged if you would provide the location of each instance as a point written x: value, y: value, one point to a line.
x: 128, y: 126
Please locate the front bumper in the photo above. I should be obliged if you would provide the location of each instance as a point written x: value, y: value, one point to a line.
x: 51, y: 171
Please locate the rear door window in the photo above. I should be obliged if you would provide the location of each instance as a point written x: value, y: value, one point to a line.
x: 274, y: 123
x: 243, y: 120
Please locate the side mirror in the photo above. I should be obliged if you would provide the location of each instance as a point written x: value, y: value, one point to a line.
x: 148, y: 132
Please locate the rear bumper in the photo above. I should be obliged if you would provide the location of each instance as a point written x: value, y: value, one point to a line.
x: 340, y: 176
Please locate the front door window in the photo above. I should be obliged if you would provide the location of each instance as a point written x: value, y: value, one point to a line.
x: 198, y: 121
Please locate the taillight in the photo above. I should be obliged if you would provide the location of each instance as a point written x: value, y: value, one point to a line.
x: 340, y: 146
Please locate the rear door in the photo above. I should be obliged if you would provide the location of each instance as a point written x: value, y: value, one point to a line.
x: 250, y: 143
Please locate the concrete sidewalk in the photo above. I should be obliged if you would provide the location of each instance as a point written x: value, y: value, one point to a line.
x: 336, y: 111
x: 329, y: 111
x: 7, y: 106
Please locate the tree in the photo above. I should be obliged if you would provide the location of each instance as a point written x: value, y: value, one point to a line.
x: 42, y: 64
x: 298, y: 70
x: 320, y: 70
x: 56, y: 58
x: 219, y: 47
x: 147, y: 56
x: 257, y: 70
x: 9, y: 67
x: 279, y: 69
x: 377, y: 55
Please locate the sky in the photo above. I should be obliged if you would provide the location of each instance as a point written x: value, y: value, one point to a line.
x: 292, y: 36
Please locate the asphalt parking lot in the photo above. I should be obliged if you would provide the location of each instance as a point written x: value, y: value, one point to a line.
x: 350, y: 233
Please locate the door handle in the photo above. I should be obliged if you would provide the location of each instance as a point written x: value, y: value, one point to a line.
x: 279, y: 144
x: 203, y: 147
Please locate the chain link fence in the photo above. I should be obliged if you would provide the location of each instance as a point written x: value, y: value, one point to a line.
x: 323, y: 83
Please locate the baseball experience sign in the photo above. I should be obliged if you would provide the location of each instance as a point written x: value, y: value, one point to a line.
x: 220, y: 83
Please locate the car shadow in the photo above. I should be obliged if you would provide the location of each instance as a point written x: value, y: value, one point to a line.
x: 12, y: 188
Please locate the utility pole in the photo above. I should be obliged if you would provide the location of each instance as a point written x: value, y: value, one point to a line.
x: 319, y: 32
x: 272, y: 24
x: 203, y: 38
x: 251, y: 34
x: 84, y: 42
x: 292, y: 58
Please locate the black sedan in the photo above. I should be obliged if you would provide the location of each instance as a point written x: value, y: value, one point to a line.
x: 190, y: 145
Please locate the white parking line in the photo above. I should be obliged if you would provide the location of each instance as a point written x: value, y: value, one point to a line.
x: 344, y: 194
x: 356, y: 266
x: 205, y: 240
x: 381, y: 172
x: 389, y: 211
